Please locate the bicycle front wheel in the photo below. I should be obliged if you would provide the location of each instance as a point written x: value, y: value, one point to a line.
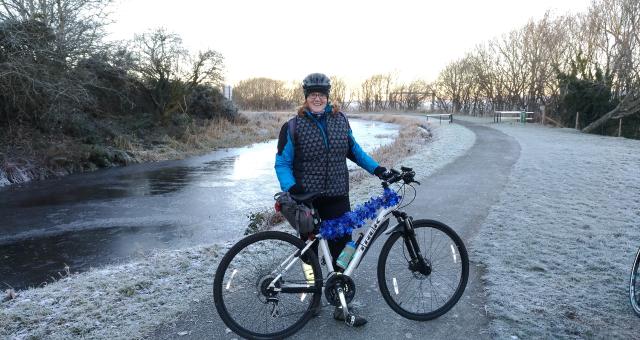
x: 244, y: 293
x: 418, y: 295
x: 634, y: 285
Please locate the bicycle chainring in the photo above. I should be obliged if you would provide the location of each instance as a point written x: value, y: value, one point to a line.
x: 331, y: 289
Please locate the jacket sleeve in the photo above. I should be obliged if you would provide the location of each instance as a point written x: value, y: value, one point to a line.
x: 358, y: 156
x: 284, y: 159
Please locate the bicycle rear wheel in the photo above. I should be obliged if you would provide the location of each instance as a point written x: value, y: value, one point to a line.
x: 634, y: 284
x: 419, y: 296
x: 241, y: 292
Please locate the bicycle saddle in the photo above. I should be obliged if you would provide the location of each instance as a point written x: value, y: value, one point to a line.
x: 307, y: 197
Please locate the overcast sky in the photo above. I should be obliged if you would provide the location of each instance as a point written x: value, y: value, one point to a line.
x: 352, y: 39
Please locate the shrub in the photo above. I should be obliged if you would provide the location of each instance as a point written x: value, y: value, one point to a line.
x: 207, y: 102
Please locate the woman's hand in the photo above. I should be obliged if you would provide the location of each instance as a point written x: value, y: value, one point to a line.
x: 296, y: 189
x: 383, y: 173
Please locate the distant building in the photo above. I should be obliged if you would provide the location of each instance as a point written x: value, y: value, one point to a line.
x: 227, y: 91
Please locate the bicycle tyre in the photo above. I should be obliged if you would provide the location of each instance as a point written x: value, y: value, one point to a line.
x: 237, y: 258
x: 634, y: 284
x: 399, y: 254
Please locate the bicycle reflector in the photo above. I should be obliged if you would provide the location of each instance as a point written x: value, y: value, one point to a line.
x: 278, y: 207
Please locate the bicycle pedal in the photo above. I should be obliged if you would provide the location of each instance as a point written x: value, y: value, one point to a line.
x: 353, y: 320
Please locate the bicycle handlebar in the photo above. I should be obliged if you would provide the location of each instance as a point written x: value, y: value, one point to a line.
x: 405, y: 174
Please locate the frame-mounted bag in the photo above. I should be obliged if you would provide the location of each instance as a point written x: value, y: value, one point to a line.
x: 299, y: 216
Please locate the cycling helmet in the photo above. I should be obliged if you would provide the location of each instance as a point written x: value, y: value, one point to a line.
x: 316, y: 82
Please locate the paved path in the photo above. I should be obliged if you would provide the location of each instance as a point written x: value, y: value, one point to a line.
x: 460, y: 195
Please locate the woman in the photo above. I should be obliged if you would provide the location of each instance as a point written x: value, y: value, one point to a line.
x: 313, y: 148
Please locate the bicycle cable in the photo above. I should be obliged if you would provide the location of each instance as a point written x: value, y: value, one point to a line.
x: 404, y: 192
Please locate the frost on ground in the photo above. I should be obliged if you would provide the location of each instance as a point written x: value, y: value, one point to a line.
x: 129, y: 301
x: 559, y: 245
x: 116, y: 302
x: 449, y: 142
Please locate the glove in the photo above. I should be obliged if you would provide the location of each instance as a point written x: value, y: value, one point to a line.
x: 296, y: 189
x: 383, y: 173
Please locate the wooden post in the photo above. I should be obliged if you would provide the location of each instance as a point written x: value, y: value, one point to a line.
x: 620, y: 128
x: 543, y: 108
x: 577, y: 119
x: 433, y: 100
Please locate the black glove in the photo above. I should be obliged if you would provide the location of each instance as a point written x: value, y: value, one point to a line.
x: 383, y: 173
x: 296, y: 189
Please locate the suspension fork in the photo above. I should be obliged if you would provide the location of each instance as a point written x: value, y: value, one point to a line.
x: 409, y: 235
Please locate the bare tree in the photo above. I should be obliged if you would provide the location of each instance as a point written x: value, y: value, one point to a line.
x: 338, y: 90
x: 169, y: 72
x: 77, y: 25
x: 160, y: 55
x: 41, y: 43
x: 450, y: 85
x: 206, y: 68
x: 409, y: 97
x: 375, y: 92
x: 265, y: 94
x: 616, y: 26
x: 293, y: 93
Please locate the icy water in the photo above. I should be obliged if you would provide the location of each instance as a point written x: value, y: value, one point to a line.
x: 116, y: 215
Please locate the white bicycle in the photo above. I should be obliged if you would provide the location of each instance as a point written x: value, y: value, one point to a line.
x: 261, y: 290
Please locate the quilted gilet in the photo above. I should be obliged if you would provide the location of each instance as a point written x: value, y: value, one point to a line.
x: 321, y: 166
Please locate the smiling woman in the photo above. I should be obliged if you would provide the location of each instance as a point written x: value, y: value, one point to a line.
x: 313, y: 148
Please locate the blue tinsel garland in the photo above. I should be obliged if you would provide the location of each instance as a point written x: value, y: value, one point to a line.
x: 345, y: 224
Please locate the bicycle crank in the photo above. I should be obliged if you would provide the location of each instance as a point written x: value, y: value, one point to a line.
x: 331, y: 289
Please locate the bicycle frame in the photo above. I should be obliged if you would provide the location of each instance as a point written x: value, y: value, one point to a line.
x: 367, y: 240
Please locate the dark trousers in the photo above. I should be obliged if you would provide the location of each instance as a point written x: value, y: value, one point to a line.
x: 329, y: 208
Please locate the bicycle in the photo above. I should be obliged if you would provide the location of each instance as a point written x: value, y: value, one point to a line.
x: 260, y: 292
x: 634, y: 284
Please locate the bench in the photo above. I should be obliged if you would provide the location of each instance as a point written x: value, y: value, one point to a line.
x: 448, y: 116
x: 516, y: 116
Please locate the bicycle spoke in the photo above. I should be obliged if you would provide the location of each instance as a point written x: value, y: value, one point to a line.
x: 418, y: 294
x: 244, y: 288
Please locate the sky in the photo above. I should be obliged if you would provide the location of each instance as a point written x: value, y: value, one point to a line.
x: 351, y: 39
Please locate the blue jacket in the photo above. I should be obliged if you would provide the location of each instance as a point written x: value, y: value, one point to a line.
x: 286, y: 154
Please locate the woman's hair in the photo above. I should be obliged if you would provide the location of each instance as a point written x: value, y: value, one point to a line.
x: 303, y: 107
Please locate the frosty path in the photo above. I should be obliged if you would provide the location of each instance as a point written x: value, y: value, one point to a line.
x: 459, y: 194
x: 558, y: 248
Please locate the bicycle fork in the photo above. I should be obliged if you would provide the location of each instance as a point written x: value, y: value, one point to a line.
x: 418, y: 263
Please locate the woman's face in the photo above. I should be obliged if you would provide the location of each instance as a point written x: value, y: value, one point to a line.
x: 316, y: 101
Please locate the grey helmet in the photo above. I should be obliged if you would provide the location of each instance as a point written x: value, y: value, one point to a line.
x: 316, y: 82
